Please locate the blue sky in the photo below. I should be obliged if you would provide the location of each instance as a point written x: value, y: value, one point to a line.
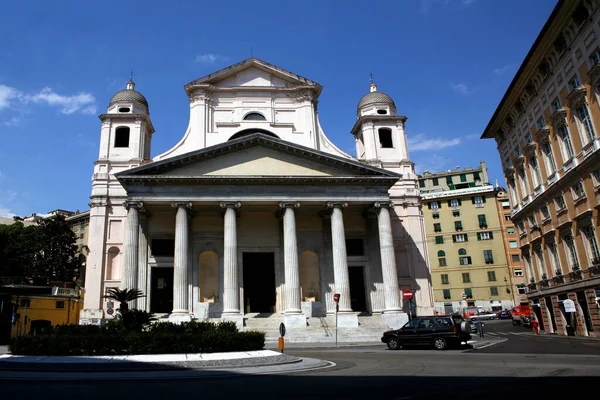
x: 446, y: 63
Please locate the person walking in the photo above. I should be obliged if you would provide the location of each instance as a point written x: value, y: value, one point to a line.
x: 535, y: 325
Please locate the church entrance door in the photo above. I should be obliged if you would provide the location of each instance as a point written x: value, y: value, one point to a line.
x: 358, y: 300
x: 259, y: 282
x: 161, y: 295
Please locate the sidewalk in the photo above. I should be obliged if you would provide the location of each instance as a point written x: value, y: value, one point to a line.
x: 150, y: 362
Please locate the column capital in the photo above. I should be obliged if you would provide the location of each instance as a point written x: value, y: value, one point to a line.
x: 381, y: 204
x: 326, y: 213
x: 133, y: 204
x: 230, y: 204
x: 182, y: 204
x: 337, y: 204
x: 289, y: 204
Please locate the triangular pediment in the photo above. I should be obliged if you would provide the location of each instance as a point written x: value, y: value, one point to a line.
x: 256, y: 157
x: 253, y: 72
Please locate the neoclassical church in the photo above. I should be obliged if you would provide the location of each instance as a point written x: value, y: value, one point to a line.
x: 255, y: 212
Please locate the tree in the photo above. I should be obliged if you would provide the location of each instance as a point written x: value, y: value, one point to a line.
x: 123, y: 296
x: 54, y: 252
x: 18, y: 245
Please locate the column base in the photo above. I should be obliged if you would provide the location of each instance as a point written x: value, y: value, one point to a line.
x: 347, y: 320
x: 178, y: 318
x: 294, y: 321
x: 237, y: 318
x: 395, y: 319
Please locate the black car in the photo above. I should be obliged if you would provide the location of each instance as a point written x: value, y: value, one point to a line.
x: 504, y: 314
x: 439, y: 332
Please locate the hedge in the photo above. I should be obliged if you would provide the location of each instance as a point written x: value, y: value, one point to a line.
x: 160, y: 338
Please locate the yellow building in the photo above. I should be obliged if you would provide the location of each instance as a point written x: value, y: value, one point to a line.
x: 465, y: 241
x: 511, y: 248
x: 34, y: 307
x: 546, y: 128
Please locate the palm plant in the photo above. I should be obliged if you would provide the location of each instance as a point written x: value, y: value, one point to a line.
x: 123, y: 296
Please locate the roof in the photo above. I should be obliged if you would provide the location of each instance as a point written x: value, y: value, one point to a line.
x: 248, y: 63
x: 376, y: 98
x: 127, y: 96
x: 358, y: 171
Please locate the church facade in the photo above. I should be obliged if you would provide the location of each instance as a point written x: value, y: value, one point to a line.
x: 255, y: 211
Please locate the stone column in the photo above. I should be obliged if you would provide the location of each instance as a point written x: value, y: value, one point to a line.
x: 130, y: 246
x: 180, y: 282
x: 341, y: 277
x: 231, y: 285
x: 142, y: 279
x: 293, y: 312
x: 393, y: 314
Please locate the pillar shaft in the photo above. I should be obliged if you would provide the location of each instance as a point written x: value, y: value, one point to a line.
x: 290, y: 249
x: 388, y: 259
x: 340, y: 261
x: 231, y: 298
x: 180, y: 281
x: 130, y: 246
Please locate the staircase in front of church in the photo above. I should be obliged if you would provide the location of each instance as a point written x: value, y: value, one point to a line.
x: 318, y: 329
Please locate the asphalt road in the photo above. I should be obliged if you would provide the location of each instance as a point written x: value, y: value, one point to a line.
x: 521, y: 340
x: 371, y: 372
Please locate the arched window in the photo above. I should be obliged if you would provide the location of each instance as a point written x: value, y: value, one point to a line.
x: 254, y: 116
x: 441, y: 253
x: 122, y: 136
x: 462, y: 252
x: 251, y: 131
x: 113, y: 264
x: 385, y: 138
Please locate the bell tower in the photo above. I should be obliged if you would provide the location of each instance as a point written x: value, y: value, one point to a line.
x: 379, y: 132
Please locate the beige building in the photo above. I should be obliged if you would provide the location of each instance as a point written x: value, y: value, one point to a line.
x: 80, y: 222
x: 546, y: 127
x: 511, y: 249
x: 465, y: 241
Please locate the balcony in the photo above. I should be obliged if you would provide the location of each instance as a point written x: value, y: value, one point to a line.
x: 576, y: 97
x: 541, y: 134
x: 552, y: 178
x: 538, y: 190
x: 526, y: 199
x: 570, y: 163
x: 529, y: 148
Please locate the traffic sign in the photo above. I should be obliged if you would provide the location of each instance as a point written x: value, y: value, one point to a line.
x: 282, y: 329
x: 110, y: 311
x: 336, y: 297
x: 407, y: 294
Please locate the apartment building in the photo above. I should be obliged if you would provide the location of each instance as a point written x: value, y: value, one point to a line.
x: 511, y: 248
x: 546, y: 128
x: 465, y: 243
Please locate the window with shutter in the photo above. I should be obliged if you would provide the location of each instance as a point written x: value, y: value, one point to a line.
x: 482, y: 221
x: 458, y: 225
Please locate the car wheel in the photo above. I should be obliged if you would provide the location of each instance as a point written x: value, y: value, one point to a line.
x: 440, y: 343
x: 393, y: 344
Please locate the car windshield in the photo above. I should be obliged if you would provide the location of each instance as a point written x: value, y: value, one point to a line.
x: 445, y: 321
x: 412, y: 324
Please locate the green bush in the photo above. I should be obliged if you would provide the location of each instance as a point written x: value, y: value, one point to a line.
x: 160, y: 338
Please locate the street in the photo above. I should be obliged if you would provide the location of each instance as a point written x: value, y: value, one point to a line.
x: 523, y: 365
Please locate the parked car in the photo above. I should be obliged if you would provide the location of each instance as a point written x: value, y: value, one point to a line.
x: 504, y: 314
x: 439, y: 332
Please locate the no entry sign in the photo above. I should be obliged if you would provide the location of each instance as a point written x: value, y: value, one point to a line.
x: 407, y: 294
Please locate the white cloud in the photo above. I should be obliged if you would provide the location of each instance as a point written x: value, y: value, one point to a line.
x: 503, y: 70
x: 7, y: 94
x: 433, y: 163
x: 461, y: 88
x: 68, y: 104
x: 422, y: 143
x: 426, y: 5
x: 5, y: 212
x: 207, y: 58
x: 13, y: 121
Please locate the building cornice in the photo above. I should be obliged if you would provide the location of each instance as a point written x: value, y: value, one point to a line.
x: 144, y: 117
x: 376, y: 118
x: 458, y: 192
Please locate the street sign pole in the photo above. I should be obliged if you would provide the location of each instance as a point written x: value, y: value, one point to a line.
x: 336, y: 299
